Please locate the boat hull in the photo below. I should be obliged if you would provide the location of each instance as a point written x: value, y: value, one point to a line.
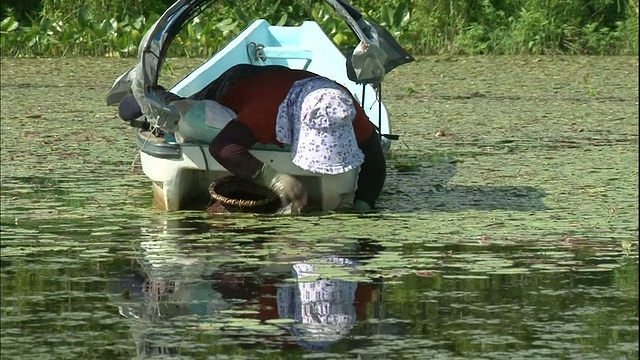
x: 181, y: 175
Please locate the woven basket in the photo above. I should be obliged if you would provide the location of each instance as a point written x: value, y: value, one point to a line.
x: 240, y: 195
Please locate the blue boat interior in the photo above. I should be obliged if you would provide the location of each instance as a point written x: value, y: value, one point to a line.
x: 298, y: 47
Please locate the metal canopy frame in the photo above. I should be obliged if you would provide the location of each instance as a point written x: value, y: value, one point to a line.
x: 143, y: 78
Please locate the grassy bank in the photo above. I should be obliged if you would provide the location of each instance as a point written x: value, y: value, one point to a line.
x: 597, y: 27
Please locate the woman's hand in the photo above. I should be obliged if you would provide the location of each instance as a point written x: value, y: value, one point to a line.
x: 290, y: 189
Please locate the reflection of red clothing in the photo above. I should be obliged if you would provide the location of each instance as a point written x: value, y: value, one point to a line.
x: 265, y: 292
x: 256, y: 99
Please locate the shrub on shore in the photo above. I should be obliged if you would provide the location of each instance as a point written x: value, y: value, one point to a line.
x: 71, y: 28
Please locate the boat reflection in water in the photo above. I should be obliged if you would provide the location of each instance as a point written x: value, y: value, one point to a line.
x: 167, y: 297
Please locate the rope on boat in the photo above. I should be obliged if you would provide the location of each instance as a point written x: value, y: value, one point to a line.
x: 133, y: 163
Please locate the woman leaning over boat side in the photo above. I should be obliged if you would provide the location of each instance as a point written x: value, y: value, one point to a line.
x: 327, y: 129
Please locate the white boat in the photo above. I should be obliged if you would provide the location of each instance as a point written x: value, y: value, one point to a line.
x: 182, y: 172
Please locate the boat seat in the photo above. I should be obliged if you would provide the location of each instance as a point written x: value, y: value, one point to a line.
x: 260, y: 53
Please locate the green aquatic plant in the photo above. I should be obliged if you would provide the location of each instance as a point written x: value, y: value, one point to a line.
x: 503, y: 243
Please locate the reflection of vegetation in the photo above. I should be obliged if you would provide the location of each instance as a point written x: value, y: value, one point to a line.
x: 571, y: 311
x: 626, y: 277
x: 561, y: 312
x: 62, y: 295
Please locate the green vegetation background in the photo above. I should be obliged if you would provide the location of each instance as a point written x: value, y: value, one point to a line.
x: 51, y: 28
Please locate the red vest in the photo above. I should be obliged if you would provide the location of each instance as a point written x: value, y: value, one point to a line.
x: 256, y: 100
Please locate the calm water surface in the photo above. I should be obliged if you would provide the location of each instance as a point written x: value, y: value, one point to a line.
x: 508, y: 229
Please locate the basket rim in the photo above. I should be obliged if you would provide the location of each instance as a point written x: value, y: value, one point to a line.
x: 269, y: 195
